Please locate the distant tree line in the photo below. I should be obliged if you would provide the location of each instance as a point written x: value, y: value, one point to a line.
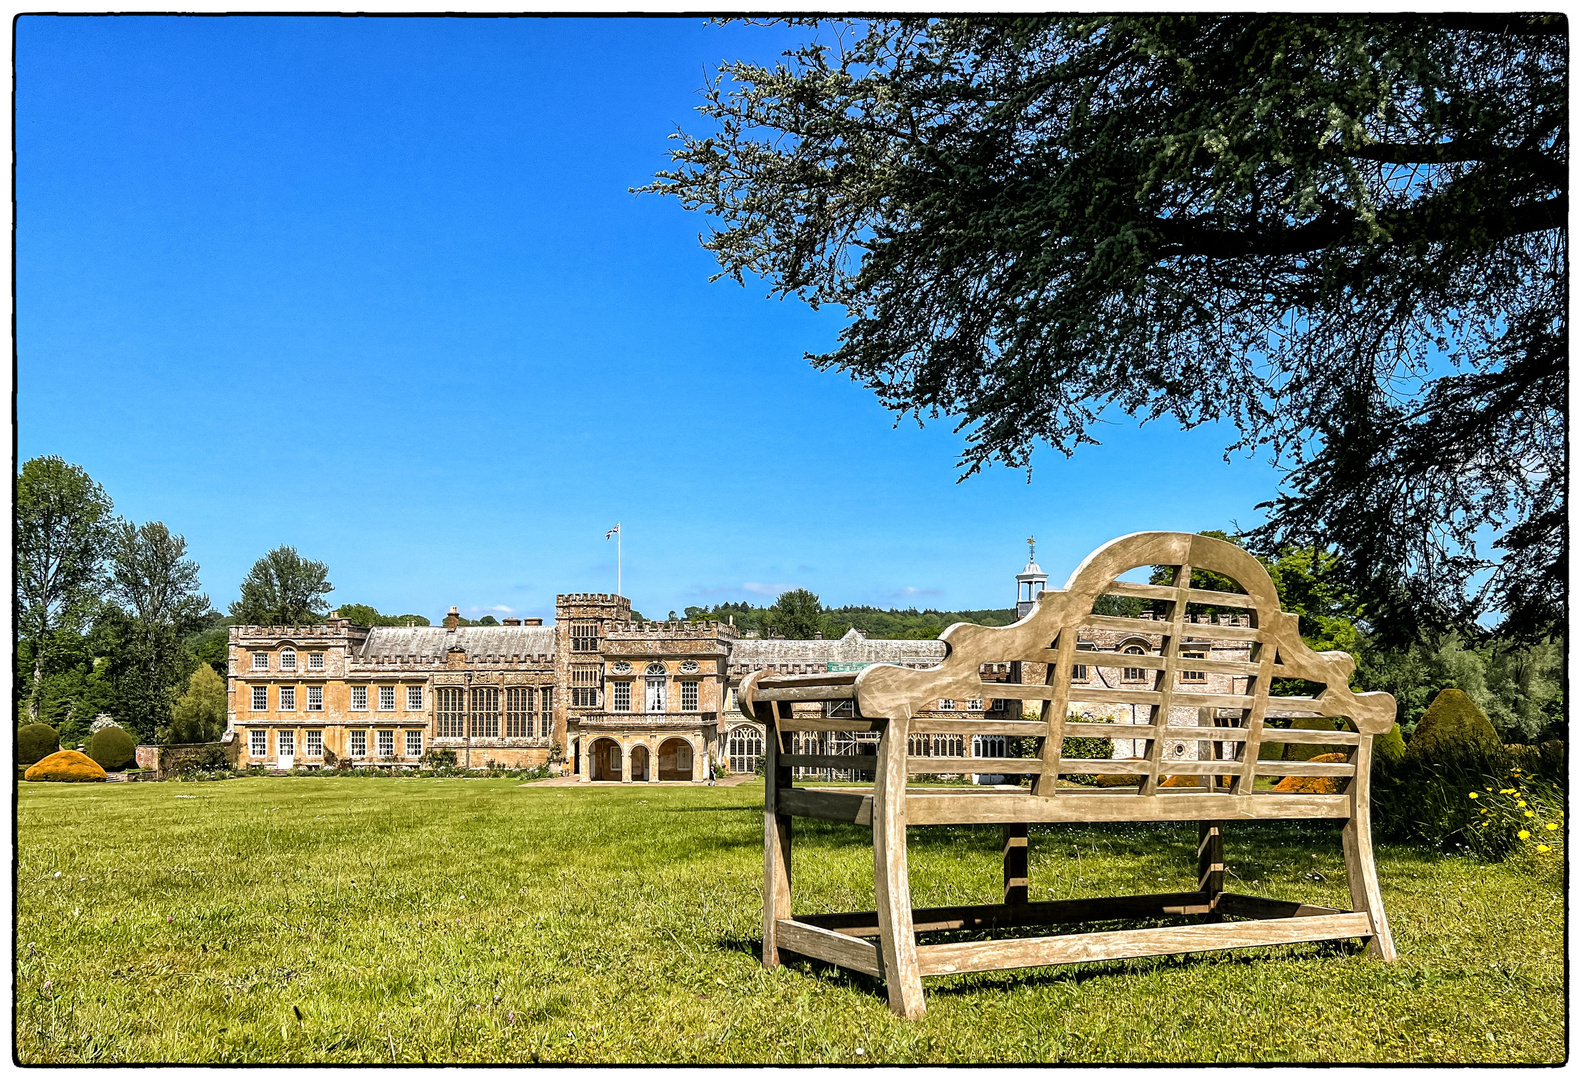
x: 112, y: 619
x: 799, y: 613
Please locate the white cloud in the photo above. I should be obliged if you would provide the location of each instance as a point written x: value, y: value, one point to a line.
x: 761, y: 589
x: 910, y: 591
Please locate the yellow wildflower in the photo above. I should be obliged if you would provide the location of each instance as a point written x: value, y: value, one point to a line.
x: 1531, y: 813
x: 1523, y: 834
x: 1542, y: 847
x: 1551, y: 826
x: 1473, y: 794
x: 1520, y: 802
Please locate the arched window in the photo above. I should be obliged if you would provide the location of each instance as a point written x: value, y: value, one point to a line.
x: 744, y: 748
x: 287, y: 659
x: 1133, y: 674
x: 655, y: 668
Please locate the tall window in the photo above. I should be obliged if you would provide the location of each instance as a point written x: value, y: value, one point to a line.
x: 414, y: 743
x: 585, y: 680
x: 414, y: 699
x: 517, y: 711
x: 313, y: 743
x: 287, y: 659
x: 258, y: 742
x: 689, y: 696
x: 532, y: 710
x: 1194, y: 676
x: 744, y: 748
x: 260, y: 698
x: 584, y: 637
x: 359, y: 744
x: 656, y: 697
x: 260, y: 661
x: 449, y: 717
x: 359, y: 699
x: 315, y: 661
x: 386, y: 744
x: 486, y: 712
x: 288, y: 699
x: 622, y: 692
x: 546, y: 703
x: 285, y: 743
x: 386, y: 699
x: 1133, y: 674
x: 315, y: 699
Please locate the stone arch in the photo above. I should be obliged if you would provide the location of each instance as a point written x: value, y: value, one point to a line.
x: 677, y: 759
x: 604, y: 760
x: 641, y: 762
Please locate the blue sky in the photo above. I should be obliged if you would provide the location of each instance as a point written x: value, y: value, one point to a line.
x: 377, y: 288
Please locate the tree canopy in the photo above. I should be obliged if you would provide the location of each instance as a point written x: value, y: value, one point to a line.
x: 1344, y: 235
x: 283, y: 589
x: 64, y: 526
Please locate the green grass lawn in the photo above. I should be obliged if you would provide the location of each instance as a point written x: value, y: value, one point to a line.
x: 430, y: 920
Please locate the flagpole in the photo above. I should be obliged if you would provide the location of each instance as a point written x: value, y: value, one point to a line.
x: 618, y: 535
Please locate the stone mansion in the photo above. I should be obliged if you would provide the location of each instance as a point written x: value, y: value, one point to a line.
x: 614, y: 699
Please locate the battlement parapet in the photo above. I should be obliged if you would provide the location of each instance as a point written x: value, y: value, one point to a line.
x: 336, y: 628
x: 680, y: 628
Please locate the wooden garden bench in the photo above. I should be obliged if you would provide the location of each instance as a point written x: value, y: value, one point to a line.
x: 1039, y: 653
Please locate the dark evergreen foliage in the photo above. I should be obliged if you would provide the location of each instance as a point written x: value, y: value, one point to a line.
x: 1285, y: 222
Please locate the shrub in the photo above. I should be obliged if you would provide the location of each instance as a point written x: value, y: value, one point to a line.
x: 112, y: 748
x: 66, y: 766
x: 439, y: 759
x: 1546, y: 762
x: 1453, y: 727
x: 35, y: 742
x: 1316, y: 785
x: 1120, y: 780
x: 1388, y: 749
x: 1087, y: 749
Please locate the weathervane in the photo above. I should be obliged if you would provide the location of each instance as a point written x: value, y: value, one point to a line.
x: 1032, y: 550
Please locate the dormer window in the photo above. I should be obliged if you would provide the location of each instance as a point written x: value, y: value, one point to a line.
x: 1133, y: 674
x: 288, y: 659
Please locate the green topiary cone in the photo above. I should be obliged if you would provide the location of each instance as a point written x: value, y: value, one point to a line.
x: 1453, y: 727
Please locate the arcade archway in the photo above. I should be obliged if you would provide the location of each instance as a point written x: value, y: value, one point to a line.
x: 603, y: 761
x: 675, y: 760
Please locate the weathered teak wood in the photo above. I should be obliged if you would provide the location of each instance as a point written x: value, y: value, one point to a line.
x: 1015, y: 892
x: 1229, y: 727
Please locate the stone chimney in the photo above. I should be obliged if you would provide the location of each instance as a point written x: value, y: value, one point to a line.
x: 453, y: 618
x: 510, y: 622
x: 530, y: 622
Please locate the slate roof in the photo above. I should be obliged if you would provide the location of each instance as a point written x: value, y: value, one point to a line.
x: 389, y: 642
x: 760, y: 652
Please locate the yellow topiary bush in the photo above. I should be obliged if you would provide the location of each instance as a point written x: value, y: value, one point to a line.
x: 1316, y: 785
x: 67, y: 766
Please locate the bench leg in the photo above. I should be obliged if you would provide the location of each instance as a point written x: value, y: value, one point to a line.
x: 776, y: 882
x: 776, y: 838
x: 1015, y: 864
x: 1362, y: 872
x: 1210, y: 863
x: 897, y: 940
